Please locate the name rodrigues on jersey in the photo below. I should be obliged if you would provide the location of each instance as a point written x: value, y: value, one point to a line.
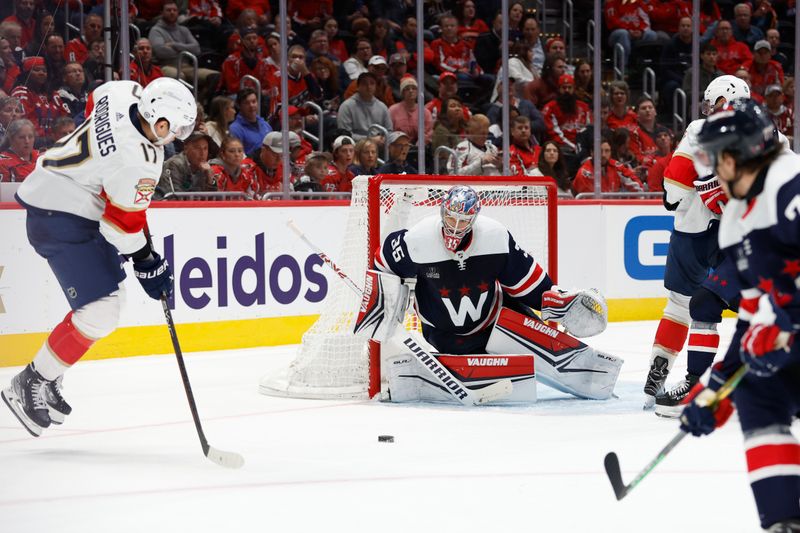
x: 102, y: 127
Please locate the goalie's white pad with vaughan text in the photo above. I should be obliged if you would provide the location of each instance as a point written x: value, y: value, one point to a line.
x: 410, y: 382
x: 562, y: 361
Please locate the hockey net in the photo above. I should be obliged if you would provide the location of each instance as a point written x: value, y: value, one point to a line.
x: 331, y: 361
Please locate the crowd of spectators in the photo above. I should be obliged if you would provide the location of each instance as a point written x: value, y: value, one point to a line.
x: 351, y: 73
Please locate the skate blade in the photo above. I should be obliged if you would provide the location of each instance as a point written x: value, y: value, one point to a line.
x: 56, y: 417
x: 32, y: 427
x: 669, y: 411
x: 649, y: 403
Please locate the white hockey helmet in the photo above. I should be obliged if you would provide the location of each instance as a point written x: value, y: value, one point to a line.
x: 169, y: 99
x: 728, y: 87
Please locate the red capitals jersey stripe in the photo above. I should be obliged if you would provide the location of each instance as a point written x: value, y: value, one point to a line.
x: 529, y: 283
x: 680, y: 171
x: 125, y: 220
x: 771, y: 456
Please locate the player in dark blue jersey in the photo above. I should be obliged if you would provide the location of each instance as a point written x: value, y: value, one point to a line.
x: 468, y: 271
x: 760, y: 233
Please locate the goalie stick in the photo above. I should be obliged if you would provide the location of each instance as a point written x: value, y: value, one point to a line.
x: 440, y: 373
x: 611, y: 461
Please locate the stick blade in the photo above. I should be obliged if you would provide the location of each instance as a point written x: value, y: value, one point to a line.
x: 226, y: 459
x: 495, y: 391
x: 611, y: 463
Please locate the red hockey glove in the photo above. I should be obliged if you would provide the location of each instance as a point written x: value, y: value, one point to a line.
x: 765, y: 344
x: 712, y: 194
x: 699, y: 417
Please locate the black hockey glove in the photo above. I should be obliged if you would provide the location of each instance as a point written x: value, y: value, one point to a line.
x: 155, y: 275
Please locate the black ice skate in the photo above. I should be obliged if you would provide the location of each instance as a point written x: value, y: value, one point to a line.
x: 25, y: 398
x: 654, y: 385
x: 791, y: 525
x: 57, y: 406
x: 670, y: 404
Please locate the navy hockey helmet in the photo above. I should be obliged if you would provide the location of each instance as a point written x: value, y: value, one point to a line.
x: 743, y: 129
x: 459, y: 209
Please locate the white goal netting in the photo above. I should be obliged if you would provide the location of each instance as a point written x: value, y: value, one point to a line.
x: 331, y: 361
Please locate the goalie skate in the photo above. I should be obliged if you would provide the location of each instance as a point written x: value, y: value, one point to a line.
x: 57, y: 406
x: 26, y: 400
x: 670, y: 404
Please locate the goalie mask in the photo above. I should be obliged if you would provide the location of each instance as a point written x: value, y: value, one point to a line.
x: 459, y: 209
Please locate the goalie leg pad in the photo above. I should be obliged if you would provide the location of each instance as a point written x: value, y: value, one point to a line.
x: 409, y: 381
x: 582, y: 312
x: 383, y: 305
x: 562, y: 361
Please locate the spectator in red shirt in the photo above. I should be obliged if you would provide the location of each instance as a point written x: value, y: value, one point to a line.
x: 448, y: 87
x: 24, y: 11
x: 471, y: 26
x: 206, y: 10
x: 77, y: 49
x: 407, y: 42
x: 542, y: 90
x: 731, y: 54
x: 620, y: 114
x: 666, y: 14
x: 247, y: 18
x: 17, y: 156
x: 261, y: 8
x: 642, y: 141
x: 41, y: 105
x: 248, y: 61
x: 303, y: 87
x: 782, y: 116
x: 665, y: 142
x: 233, y: 172
x: 143, y: 71
x: 452, y: 54
x: 335, y: 43
x: 340, y: 176
x: 764, y: 71
x: 308, y: 15
x: 628, y: 23
x: 523, y: 156
x: 566, y: 116
x: 615, y: 177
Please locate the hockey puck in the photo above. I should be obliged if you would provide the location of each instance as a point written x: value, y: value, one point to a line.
x: 385, y: 438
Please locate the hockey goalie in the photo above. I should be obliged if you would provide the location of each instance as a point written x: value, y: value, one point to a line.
x: 475, y: 291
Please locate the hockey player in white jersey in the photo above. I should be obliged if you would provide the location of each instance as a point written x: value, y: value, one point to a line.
x: 474, y: 292
x: 695, y: 299
x: 86, y: 205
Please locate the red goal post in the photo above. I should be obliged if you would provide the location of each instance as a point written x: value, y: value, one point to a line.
x: 331, y: 361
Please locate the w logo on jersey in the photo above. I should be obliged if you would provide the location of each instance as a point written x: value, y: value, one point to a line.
x: 465, y: 308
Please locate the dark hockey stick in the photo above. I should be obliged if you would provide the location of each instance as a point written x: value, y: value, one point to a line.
x: 463, y: 394
x: 611, y: 461
x: 221, y: 457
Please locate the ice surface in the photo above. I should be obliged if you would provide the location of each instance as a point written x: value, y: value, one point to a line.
x: 128, y: 458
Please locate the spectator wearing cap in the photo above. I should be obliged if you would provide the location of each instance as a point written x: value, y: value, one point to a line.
x: 356, y: 64
x: 642, y: 141
x: 628, y: 23
x: 731, y: 54
x: 620, y: 114
x: 383, y: 91
x: 319, y: 46
x: 399, y: 145
x: 782, y: 116
x: 74, y: 91
x: 566, y: 116
x: 189, y: 171
x: 314, y: 172
x: 77, y: 49
x: 302, y: 85
x: 365, y: 160
x: 452, y: 54
x: 743, y: 30
x: 362, y: 110
x: 475, y: 155
x: 247, y: 61
x: 339, y: 177
x: 557, y: 47
x: 248, y: 126
x: 42, y: 106
x: 142, y: 68
x: 17, y: 154
x: 233, y: 171
x: 24, y: 16
x: 764, y: 71
x: 12, y: 70
x: 398, y: 68
x: 405, y: 115
x: 448, y: 87
x: 269, y: 160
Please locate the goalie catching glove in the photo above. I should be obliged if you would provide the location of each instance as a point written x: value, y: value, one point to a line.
x: 582, y: 312
x: 383, y: 305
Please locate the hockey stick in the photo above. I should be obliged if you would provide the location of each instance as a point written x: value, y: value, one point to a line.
x: 611, y: 461
x: 443, y: 376
x: 221, y: 457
